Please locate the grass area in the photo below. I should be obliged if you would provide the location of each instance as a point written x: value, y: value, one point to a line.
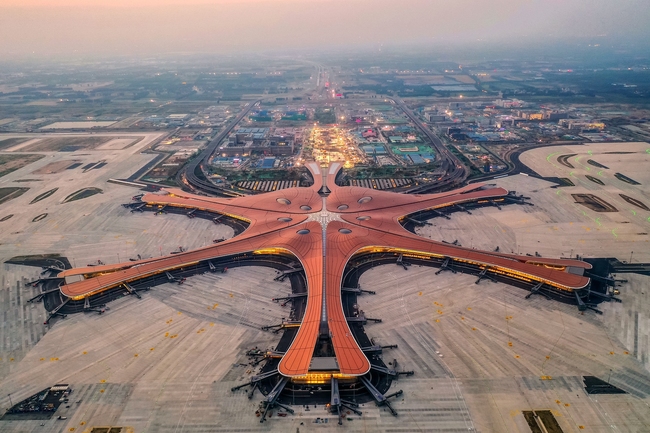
x: 325, y: 115
x: 10, y: 193
x: 63, y: 143
x: 8, y: 142
x: 82, y: 193
x: 39, y: 217
x: 261, y: 119
x: 10, y: 163
x: 626, y: 179
x: 296, y: 117
x: 43, y: 196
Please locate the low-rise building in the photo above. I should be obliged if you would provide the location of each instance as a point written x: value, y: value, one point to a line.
x: 249, y: 141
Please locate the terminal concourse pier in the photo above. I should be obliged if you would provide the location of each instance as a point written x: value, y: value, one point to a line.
x: 329, y: 234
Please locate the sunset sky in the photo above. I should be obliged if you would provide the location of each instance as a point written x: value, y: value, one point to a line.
x: 68, y: 27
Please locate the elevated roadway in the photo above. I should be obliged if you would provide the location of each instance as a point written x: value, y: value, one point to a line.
x: 192, y: 174
x: 456, y: 171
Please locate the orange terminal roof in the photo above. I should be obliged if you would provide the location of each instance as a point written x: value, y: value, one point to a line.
x: 353, y: 219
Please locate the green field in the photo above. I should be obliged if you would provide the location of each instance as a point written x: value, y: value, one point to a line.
x: 7, y: 194
x: 325, y: 115
x: 6, y: 143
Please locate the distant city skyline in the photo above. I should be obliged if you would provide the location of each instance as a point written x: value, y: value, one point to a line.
x: 140, y: 27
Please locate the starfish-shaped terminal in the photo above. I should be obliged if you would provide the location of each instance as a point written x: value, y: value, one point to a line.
x: 324, y: 226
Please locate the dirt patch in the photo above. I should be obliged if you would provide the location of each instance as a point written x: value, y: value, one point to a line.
x: 10, y: 193
x: 564, y: 160
x: 544, y: 417
x: 10, y: 163
x: 595, y: 180
x: 626, y: 179
x: 82, y: 193
x: 67, y: 144
x: 43, y: 196
x: 6, y: 217
x: 596, y: 164
x: 635, y: 202
x: 594, y: 203
x: 55, y: 167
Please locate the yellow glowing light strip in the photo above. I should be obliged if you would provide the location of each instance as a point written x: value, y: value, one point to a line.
x: 291, y: 325
x: 269, y: 251
x: 321, y: 378
x: 548, y: 266
x: 411, y: 253
x: 496, y: 269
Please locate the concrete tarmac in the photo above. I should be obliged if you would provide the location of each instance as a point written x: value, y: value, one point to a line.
x: 482, y: 353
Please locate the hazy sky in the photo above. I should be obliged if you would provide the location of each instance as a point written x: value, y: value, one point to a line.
x: 113, y: 27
